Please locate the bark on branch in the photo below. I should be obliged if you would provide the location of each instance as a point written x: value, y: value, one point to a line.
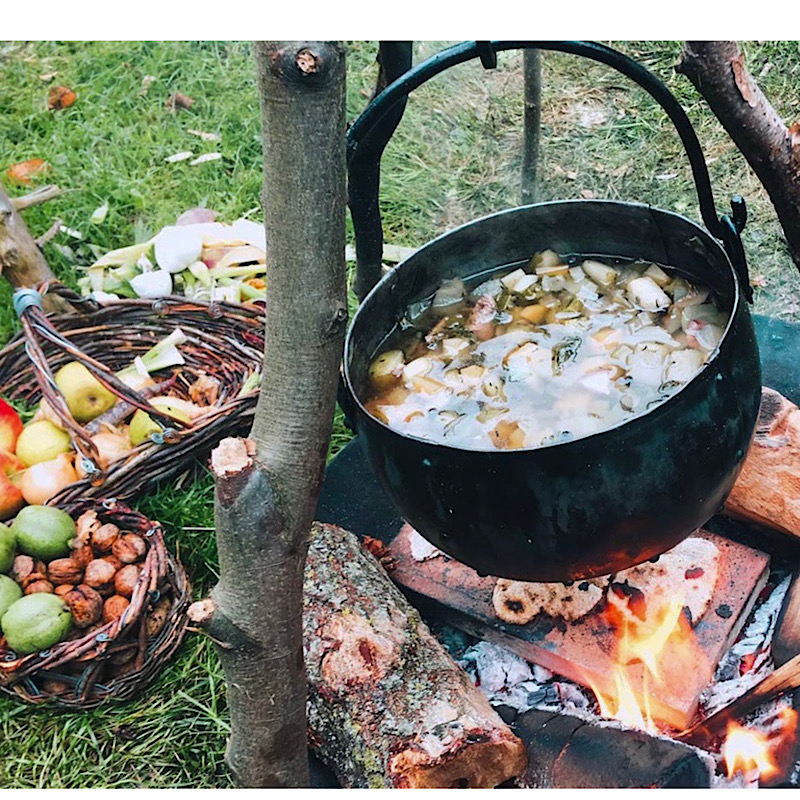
x: 21, y: 261
x: 267, y: 487
x: 718, y: 72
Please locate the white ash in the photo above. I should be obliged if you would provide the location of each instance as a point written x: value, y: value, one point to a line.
x: 422, y: 549
x: 506, y: 679
x: 728, y: 683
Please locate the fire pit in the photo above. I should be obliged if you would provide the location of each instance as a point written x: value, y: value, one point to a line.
x: 564, y: 723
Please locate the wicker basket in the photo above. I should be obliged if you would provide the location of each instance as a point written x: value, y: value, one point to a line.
x: 225, y: 341
x: 121, y: 657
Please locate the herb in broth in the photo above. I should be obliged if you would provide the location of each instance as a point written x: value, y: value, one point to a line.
x: 543, y: 353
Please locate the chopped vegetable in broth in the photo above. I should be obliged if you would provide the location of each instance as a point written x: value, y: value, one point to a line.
x: 544, y: 353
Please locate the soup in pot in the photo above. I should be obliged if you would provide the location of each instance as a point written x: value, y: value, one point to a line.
x: 544, y: 352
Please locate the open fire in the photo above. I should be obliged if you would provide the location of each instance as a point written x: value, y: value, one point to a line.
x: 651, y: 650
x: 661, y: 644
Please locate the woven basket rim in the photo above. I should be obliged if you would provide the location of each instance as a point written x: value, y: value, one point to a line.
x: 164, y: 572
x: 220, y: 338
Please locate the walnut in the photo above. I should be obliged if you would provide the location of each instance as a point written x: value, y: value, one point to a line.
x: 99, y: 575
x: 63, y: 589
x: 22, y: 567
x: 114, y: 561
x: 114, y: 608
x: 104, y: 537
x: 86, y: 606
x: 157, y: 617
x: 82, y: 555
x: 125, y: 580
x: 64, y: 570
x: 86, y: 524
x: 129, y: 548
x: 35, y: 587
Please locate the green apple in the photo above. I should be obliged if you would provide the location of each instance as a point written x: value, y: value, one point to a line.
x: 42, y: 441
x: 86, y: 397
x: 143, y: 425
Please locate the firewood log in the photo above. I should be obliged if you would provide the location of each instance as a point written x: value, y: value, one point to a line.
x: 768, y: 488
x: 567, y: 752
x: 388, y: 707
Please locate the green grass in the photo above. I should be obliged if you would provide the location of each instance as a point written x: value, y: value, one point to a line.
x: 455, y: 156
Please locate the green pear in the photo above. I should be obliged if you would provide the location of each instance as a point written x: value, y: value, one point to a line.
x: 86, y: 397
x: 42, y: 441
x: 143, y: 425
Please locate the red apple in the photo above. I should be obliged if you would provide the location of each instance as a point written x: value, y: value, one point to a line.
x: 11, y: 500
x: 10, y: 427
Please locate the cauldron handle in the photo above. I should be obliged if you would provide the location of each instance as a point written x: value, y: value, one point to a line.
x: 364, y: 178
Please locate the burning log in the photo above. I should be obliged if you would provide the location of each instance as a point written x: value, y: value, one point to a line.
x: 766, y: 491
x: 565, y: 751
x: 388, y: 707
x: 785, y: 678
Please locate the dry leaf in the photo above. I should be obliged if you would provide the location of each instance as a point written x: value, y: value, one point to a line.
x: 205, y: 157
x: 61, y: 97
x: 179, y: 156
x: 794, y: 134
x: 47, y: 76
x: 743, y: 82
x: 179, y: 100
x: 22, y: 173
x: 758, y: 280
x: 667, y: 176
x: 588, y: 194
x: 209, y: 137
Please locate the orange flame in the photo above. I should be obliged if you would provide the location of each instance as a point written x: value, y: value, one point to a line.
x: 750, y: 751
x: 661, y: 643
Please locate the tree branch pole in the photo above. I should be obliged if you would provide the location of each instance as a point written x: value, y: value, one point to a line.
x: 365, y: 171
x: 718, y: 72
x: 21, y: 261
x: 267, y: 486
x: 532, y: 72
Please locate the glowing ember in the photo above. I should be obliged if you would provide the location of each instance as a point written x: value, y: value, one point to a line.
x: 751, y: 751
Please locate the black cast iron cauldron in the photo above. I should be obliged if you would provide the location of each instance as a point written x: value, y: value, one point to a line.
x: 598, y: 504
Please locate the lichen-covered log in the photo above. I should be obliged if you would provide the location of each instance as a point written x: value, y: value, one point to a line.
x: 388, y: 707
x: 768, y: 488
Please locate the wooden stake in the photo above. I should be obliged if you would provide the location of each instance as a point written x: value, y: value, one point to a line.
x: 267, y: 487
x: 718, y: 72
